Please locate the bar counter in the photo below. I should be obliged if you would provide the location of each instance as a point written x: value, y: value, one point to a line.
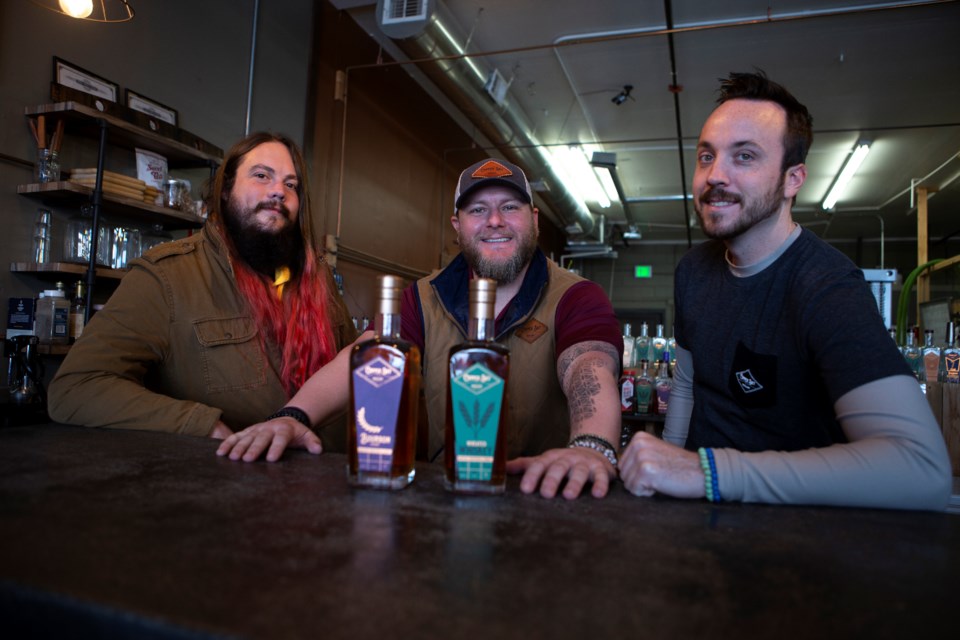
x: 150, y: 535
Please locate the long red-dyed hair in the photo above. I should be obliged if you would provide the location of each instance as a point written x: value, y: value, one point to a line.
x: 300, y: 322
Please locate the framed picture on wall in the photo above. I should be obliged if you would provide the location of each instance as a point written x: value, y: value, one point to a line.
x: 72, y: 76
x: 152, y: 108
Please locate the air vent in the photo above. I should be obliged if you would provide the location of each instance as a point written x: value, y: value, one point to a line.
x: 400, y: 19
x: 400, y: 11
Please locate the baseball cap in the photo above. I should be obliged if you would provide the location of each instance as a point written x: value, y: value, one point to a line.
x: 491, y: 172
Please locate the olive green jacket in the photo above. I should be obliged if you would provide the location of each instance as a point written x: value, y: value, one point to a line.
x: 175, y: 349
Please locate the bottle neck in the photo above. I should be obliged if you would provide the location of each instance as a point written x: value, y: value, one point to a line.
x: 387, y: 325
x: 481, y: 329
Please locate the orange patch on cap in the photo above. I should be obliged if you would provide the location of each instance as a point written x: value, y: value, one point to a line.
x: 491, y: 169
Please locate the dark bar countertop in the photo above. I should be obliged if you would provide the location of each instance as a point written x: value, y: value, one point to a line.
x: 150, y: 535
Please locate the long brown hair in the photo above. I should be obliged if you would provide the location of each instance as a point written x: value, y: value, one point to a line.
x: 300, y: 322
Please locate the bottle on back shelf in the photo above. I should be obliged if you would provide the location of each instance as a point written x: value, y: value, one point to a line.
x: 931, y: 357
x: 663, y: 385
x: 912, y: 354
x: 629, y: 346
x: 950, y: 357
x: 658, y: 346
x: 628, y: 396
x: 643, y: 386
x: 642, y: 350
x: 78, y: 312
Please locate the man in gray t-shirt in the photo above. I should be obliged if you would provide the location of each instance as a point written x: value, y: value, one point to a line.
x: 787, y: 388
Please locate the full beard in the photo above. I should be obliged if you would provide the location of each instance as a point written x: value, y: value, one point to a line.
x: 752, y: 214
x: 263, y: 251
x: 502, y: 270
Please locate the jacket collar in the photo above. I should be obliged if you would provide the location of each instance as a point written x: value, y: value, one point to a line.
x: 452, y: 287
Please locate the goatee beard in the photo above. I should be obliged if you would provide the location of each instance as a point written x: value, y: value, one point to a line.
x: 265, y: 252
x: 755, y: 211
x: 502, y: 271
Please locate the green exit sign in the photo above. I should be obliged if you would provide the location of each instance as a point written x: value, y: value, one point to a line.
x: 643, y: 271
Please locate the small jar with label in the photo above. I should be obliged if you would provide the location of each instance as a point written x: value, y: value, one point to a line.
x: 52, y: 320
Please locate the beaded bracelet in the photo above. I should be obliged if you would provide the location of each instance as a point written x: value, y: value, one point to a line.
x: 590, y: 441
x: 293, y: 412
x: 710, y: 483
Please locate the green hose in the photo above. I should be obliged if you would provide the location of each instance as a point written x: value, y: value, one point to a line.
x: 903, y: 303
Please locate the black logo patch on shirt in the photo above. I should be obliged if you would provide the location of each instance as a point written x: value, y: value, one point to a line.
x: 753, y: 378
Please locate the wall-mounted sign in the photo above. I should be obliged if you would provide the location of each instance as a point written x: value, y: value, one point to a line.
x: 150, y: 107
x: 70, y: 75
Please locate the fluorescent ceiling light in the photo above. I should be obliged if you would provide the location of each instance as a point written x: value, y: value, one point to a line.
x: 572, y: 165
x: 604, y: 175
x: 850, y: 167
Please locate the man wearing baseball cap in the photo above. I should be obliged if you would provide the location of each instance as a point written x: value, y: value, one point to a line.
x: 564, y: 340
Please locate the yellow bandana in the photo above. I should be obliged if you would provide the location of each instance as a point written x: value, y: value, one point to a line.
x: 281, y: 277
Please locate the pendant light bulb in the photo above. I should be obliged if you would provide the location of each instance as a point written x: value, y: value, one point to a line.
x: 77, y: 8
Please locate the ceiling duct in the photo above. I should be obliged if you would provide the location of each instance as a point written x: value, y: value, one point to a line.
x: 439, y: 52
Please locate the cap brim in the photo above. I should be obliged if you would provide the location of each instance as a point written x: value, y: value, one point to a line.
x: 489, y: 182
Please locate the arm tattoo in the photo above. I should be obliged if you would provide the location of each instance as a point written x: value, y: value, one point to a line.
x: 581, y: 383
x: 584, y: 385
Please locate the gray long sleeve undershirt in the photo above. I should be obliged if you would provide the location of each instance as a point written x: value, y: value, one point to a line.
x: 895, y: 457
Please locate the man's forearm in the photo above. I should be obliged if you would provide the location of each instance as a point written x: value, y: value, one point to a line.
x: 327, y: 391
x: 588, y: 377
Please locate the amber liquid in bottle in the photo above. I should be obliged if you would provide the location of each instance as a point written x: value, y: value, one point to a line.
x: 475, y: 434
x: 384, y: 394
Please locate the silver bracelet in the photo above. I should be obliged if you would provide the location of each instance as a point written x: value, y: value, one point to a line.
x: 590, y: 441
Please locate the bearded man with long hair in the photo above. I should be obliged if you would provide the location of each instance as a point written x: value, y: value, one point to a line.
x: 214, y: 332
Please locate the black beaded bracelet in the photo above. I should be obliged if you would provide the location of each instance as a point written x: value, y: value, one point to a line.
x: 590, y: 441
x: 293, y: 412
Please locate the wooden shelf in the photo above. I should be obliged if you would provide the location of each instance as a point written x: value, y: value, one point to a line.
x: 71, y: 193
x: 949, y: 262
x: 53, y: 349
x: 54, y: 269
x: 129, y: 135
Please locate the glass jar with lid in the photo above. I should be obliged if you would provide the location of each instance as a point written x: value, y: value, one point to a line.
x: 153, y: 236
x: 78, y: 238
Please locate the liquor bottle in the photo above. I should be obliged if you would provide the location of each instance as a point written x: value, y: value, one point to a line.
x: 658, y: 346
x: 644, y: 388
x: 950, y: 357
x: 78, y: 312
x: 642, y: 350
x: 892, y: 331
x: 384, y: 398
x: 629, y: 347
x: 931, y: 357
x: 663, y: 385
x: 628, y: 396
x: 476, y: 421
x: 911, y: 353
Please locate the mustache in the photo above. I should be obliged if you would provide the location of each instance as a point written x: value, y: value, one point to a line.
x: 718, y: 193
x: 273, y: 204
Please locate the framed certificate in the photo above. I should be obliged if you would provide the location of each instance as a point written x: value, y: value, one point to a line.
x: 72, y: 76
x: 152, y: 108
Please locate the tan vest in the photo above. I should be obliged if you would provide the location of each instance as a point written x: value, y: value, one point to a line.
x: 538, y: 418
